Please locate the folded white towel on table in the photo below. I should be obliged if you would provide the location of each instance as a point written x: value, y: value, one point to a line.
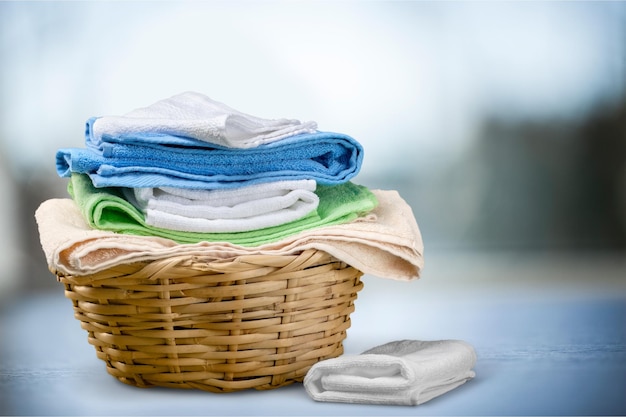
x: 405, y: 372
x: 194, y: 115
x: 386, y: 242
x: 225, y: 210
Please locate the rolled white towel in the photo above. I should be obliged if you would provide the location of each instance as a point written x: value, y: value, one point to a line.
x: 404, y: 372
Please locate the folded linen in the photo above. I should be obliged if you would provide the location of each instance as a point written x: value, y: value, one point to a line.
x: 404, y: 372
x: 220, y: 211
x: 326, y: 157
x: 106, y: 209
x: 385, y: 242
x: 196, y: 116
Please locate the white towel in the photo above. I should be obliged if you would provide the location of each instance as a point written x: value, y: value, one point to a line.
x: 386, y: 243
x: 405, y: 372
x: 225, y: 210
x: 196, y: 116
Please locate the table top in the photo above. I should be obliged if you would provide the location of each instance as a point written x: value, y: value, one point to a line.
x: 549, y: 332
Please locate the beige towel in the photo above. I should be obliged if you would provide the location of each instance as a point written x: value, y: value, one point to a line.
x: 386, y: 243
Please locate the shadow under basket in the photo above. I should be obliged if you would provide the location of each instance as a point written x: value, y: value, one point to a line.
x: 254, y: 321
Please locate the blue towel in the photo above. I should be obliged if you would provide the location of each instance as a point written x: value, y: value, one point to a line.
x: 159, y: 160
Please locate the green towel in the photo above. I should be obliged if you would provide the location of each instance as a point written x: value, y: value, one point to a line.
x: 106, y: 209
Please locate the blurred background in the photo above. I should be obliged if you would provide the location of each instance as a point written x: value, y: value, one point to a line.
x: 503, y: 124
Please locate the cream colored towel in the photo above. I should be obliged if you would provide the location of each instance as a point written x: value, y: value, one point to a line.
x: 386, y: 243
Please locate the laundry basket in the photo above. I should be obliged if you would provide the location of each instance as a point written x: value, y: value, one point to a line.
x: 253, y: 321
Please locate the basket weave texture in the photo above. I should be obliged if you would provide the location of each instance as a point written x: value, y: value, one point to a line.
x: 254, y: 321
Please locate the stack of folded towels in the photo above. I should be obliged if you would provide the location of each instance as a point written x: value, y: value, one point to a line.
x: 191, y: 175
x: 192, y: 169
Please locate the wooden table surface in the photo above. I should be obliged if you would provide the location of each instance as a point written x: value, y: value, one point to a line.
x: 549, y: 331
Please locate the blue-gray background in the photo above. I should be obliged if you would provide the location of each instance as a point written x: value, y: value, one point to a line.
x: 503, y: 124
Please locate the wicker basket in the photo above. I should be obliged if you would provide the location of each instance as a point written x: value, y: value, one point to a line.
x: 250, y: 322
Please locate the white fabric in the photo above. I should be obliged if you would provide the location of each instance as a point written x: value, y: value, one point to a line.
x: 386, y: 243
x: 405, y: 372
x: 195, y: 115
x: 222, y: 211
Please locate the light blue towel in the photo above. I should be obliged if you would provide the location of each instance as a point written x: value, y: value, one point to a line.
x: 158, y: 160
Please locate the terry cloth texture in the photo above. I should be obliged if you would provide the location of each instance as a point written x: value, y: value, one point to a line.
x: 170, y: 161
x: 107, y: 209
x: 385, y: 243
x: 404, y: 372
x: 223, y: 211
x: 196, y: 116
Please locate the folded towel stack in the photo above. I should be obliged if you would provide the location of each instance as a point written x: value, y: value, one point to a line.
x: 188, y: 174
x: 184, y: 190
x: 192, y: 169
x: 191, y: 141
